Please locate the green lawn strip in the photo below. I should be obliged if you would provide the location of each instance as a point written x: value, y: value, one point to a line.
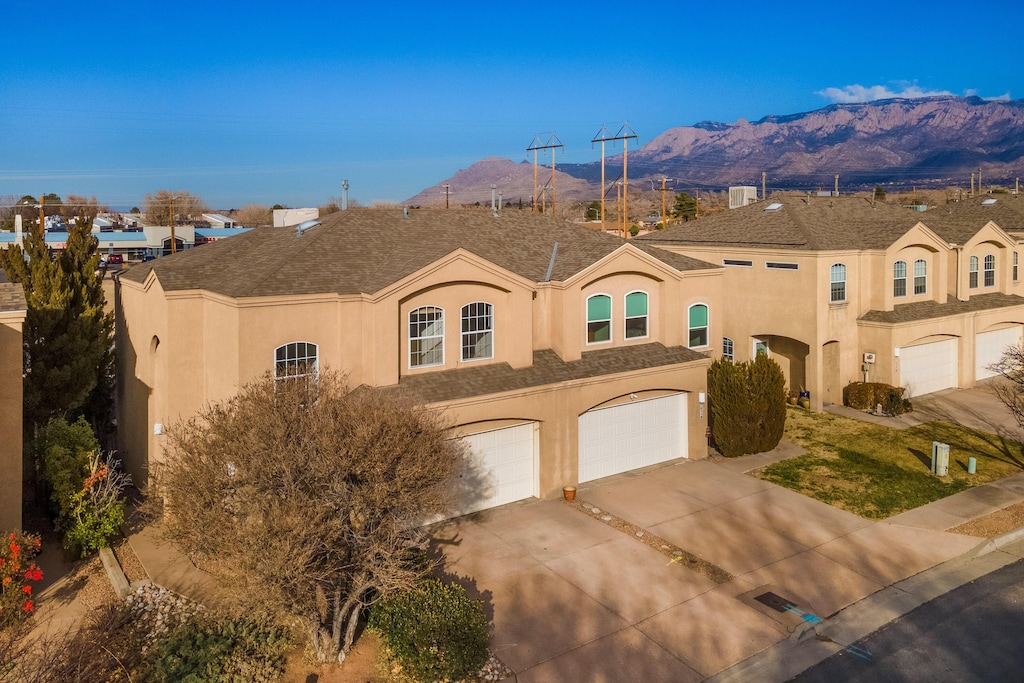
x: 876, y: 472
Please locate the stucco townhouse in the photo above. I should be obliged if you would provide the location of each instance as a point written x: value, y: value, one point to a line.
x: 844, y: 289
x: 13, y: 310
x: 559, y: 354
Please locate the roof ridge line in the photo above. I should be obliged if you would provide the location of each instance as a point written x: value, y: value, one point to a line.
x: 811, y: 242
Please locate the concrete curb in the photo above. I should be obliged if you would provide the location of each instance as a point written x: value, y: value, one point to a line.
x: 997, y: 542
x: 811, y: 644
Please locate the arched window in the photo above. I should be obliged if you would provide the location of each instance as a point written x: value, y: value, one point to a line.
x: 837, y: 279
x: 426, y: 336
x: 973, y: 273
x: 990, y: 271
x: 636, y: 315
x: 698, y: 324
x: 1015, y: 265
x: 296, y: 360
x: 920, y: 276
x: 599, y: 318
x: 899, y: 278
x: 477, y: 331
x: 728, y: 349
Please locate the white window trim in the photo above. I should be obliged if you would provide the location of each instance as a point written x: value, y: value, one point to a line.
x: 707, y: 325
x: 731, y: 355
x: 462, y: 334
x: 925, y: 276
x: 587, y: 321
x: 409, y: 338
x: 316, y: 361
x: 897, y: 279
x: 845, y: 282
x: 986, y: 270
x: 647, y: 316
x: 753, y: 348
x: 973, y: 279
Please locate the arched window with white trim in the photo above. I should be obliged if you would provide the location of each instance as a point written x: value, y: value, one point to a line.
x: 296, y: 360
x: 636, y: 315
x: 599, y: 318
x: 837, y: 283
x: 477, y: 331
x: 426, y: 337
x: 697, y: 323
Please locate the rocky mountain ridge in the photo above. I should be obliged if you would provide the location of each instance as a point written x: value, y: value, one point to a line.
x: 898, y: 143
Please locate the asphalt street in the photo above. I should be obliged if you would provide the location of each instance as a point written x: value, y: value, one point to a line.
x: 973, y: 633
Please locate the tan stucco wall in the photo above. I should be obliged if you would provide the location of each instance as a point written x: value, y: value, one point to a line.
x: 11, y: 359
x: 211, y: 345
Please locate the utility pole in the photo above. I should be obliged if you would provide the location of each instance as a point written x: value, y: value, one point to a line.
x: 171, y: 211
x: 663, y: 189
x: 836, y: 192
x: 696, y: 204
x: 552, y: 143
x: 447, y: 187
x: 625, y: 133
x: 972, y: 185
x: 979, y: 181
x: 764, y: 179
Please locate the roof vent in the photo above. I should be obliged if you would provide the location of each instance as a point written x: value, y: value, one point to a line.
x: 304, y: 226
x: 773, y: 207
x: 405, y: 212
x: 988, y: 202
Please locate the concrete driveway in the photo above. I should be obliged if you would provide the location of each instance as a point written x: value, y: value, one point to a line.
x: 573, y: 597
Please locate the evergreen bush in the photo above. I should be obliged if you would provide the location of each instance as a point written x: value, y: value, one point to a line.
x: 435, y: 631
x: 239, y: 650
x: 748, y: 405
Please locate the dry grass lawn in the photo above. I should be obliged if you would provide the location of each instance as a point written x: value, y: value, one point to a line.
x: 876, y: 471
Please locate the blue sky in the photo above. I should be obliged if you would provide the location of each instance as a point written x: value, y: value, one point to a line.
x: 270, y: 103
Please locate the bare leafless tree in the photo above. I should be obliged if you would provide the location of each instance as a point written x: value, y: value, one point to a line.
x: 254, y: 216
x: 308, y: 498
x: 185, y: 206
x: 1011, y: 392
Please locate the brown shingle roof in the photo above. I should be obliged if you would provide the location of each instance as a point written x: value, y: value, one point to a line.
x: 958, y: 222
x: 12, y: 297
x: 547, y: 368
x: 927, y: 310
x: 802, y: 222
x: 365, y: 250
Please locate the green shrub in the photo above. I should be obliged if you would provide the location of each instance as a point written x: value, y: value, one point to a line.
x: 435, y: 632
x: 747, y: 404
x: 85, y: 491
x: 229, y: 650
x: 869, y: 395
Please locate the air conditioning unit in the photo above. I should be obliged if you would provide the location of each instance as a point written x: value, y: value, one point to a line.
x: 869, y: 358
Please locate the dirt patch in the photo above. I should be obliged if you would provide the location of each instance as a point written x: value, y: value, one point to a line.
x: 130, y: 564
x: 361, y: 665
x: 999, y: 522
x: 666, y: 548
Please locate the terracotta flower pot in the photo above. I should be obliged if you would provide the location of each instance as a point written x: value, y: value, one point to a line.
x: 569, y: 492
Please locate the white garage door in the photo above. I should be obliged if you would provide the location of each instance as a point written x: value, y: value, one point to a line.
x: 501, y: 467
x: 632, y: 435
x: 928, y: 367
x: 989, y: 348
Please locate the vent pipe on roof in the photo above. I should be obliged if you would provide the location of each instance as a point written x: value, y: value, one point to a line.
x: 304, y: 226
x: 551, y: 264
x: 405, y: 212
x: 344, y: 195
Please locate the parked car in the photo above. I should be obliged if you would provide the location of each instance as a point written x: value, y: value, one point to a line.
x: 115, y: 258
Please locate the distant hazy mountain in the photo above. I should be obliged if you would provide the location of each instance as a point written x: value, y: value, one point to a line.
x: 927, y: 142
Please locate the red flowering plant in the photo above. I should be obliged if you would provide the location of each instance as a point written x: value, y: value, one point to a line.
x: 17, y: 574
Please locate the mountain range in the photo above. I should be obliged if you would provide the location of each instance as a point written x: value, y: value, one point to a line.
x: 896, y: 143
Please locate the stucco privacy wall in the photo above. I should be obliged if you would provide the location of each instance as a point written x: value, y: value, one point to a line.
x: 12, y: 317
x: 188, y: 334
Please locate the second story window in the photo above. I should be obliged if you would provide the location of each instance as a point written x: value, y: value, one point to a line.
x: 920, y: 276
x: 972, y: 278
x: 728, y: 349
x: 899, y: 278
x: 599, y: 319
x: 636, y: 315
x: 298, y: 360
x: 426, y: 337
x: 990, y: 271
x: 477, y: 331
x: 837, y: 281
x: 1015, y: 266
x: 698, y: 324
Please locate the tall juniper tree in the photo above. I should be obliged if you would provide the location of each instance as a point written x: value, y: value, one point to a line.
x: 68, y: 337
